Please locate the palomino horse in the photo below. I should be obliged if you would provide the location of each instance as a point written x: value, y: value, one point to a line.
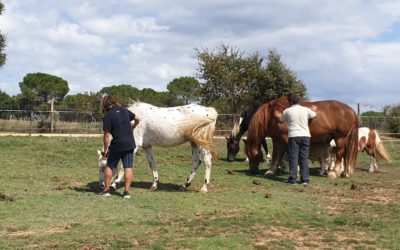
x: 169, y: 127
x: 334, y: 120
x: 370, y: 142
x: 239, y: 128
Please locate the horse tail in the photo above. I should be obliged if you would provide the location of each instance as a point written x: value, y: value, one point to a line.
x: 257, y: 126
x: 352, y: 147
x: 381, y: 149
x: 200, y: 130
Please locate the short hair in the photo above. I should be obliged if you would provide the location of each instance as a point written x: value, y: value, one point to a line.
x: 294, y: 99
x: 107, y: 102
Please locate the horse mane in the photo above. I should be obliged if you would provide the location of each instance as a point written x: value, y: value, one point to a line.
x: 257, y: 125
x: 236, y: 128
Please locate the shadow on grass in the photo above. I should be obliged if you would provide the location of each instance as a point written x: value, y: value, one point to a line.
x: 93, y: 187
x: 279, y: 177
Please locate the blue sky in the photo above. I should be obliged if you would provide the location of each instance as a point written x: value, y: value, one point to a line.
x: 345, y: 50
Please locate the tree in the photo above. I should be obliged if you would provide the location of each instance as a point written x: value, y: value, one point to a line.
x: 127, y: 93
x: 2, y: 42
x: 233, y: 81
x: 227, y: 76
x: 276, y: 80
x: 41, y: 88
x: 185, y: 88
x: 392, y: 113
x: 123, y: 93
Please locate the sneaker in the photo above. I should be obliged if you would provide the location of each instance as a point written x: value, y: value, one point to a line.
x: 127, y: 195
x: 105, y: 193
x: 305, y: 183
x: 290, y: 182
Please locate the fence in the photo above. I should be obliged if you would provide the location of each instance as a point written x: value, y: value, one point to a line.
x: 25, y: 121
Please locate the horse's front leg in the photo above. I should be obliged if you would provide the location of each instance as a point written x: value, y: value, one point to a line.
x: 338, y: 169
x: 277, y: 149
x: 196, y: 153
x: 373, y: 166
x: 117, y: 178
x: 153, y: 166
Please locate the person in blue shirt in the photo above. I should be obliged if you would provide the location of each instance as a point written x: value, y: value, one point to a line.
x: 118, y: 141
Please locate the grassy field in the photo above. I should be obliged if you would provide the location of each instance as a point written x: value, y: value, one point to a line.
x: 48, y: 200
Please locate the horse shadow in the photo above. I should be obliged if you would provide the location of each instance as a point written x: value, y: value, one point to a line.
x: 93, y: 187
x: 279, y: 177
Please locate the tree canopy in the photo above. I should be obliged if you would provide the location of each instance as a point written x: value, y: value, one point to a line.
x: 37, y: 89
x: 233, y: 80
x: 43, y: 87
x: 185, y: 88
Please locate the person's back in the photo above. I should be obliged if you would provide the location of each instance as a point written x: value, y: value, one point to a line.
x: 297, y: 118
x: 118, y: 122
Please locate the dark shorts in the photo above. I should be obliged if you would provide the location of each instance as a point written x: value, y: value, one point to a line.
x: 125, y: 156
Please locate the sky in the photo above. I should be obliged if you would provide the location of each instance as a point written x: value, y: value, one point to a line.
x: 347, y: 50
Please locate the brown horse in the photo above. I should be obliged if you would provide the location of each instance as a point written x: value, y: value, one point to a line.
x: 335, y: 120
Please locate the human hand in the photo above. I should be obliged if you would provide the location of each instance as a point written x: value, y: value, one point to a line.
x: 277, y: 113
x: 314, y: 108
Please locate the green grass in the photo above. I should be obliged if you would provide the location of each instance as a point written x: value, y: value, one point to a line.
x: 49, y: 200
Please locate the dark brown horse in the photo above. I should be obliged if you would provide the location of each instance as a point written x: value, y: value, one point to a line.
x: 335, y: 120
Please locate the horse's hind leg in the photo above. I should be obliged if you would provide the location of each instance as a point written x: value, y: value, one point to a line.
x: 153, y: 166
x: 196, y: 153
x: 208, y: 162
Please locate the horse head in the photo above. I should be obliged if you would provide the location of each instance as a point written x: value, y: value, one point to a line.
x: 255, y: 135
x: 233, y: 142
x: 102, y: 163
x: 263, y: 124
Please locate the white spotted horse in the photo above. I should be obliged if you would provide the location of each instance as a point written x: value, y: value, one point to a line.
x: 172, y: 126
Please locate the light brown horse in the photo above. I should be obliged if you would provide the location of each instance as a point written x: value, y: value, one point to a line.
x: 335, y: 120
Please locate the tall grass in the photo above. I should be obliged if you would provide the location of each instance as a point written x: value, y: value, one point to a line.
x: 49, y: 200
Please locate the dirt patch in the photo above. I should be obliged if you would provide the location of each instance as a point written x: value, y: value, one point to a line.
x: 301, y: 238
x: 46, y: 231
x: 4, y: 197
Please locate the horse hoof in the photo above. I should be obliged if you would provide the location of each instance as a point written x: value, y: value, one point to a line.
x: 204, y: 190
x: 269, y: 173
x: 345, y: 175
x: 332, y: 175
x: 182, y: 188
x: 153, y: 188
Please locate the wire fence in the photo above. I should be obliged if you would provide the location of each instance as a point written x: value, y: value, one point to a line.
x: 74, y: 122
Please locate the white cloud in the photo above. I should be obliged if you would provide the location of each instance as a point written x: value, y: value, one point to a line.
x: 341, y: 51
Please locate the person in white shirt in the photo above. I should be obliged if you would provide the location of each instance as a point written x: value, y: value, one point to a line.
x: 296, y: 117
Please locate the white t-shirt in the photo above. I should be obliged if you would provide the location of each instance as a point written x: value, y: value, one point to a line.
x: 297, y: 118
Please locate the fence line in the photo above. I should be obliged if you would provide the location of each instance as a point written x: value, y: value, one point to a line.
x: 69, y: 121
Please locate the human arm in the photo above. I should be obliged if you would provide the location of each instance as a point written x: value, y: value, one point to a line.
x: 136, y: 122
x: 312, y: 112
x: 278, y: 114
x: 106, y: 142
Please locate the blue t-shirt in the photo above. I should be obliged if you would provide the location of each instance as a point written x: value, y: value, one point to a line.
x: 118, y: 122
